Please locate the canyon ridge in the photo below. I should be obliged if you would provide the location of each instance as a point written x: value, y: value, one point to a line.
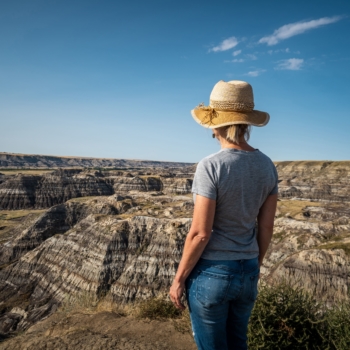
x: 114, y: 230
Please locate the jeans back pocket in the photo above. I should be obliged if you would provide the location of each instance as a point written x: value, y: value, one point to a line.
x: 212, y: 288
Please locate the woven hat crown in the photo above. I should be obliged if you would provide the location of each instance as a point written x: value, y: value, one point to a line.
x: 234, y: 95
x: 230, y: 103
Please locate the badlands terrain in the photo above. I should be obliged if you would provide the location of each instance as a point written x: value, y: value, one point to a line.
x: 116, y: 233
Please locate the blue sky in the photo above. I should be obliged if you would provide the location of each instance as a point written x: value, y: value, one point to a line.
x: 118, y: 79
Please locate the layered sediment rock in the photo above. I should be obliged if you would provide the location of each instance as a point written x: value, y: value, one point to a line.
x: 133, y: 259
x: 63, y: 185
x: 18, y: 192
x: 178, y: 186
x: 28, y: 191
x: 314, y: 180
x: 57, y: 220
x: 126, y: 184
x: 312, y: 250
x: 34, y: 161
x: 324, y: 273
x: 329, y: 181
x: 126, y: 241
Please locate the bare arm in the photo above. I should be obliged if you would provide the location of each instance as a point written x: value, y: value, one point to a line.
x: 266, y: 219
x: 196, y: 240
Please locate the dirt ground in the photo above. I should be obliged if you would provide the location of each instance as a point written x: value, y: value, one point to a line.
x: 104, y: 330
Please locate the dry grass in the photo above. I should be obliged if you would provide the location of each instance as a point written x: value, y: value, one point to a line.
x: 9, y: 219
x: 17, y: 214
x: 25, y: 171
x: 312, y: 163
x: 343, y: 236
x: 158, y: 308
x: 83, y: 199
x: 183, y: 323
x: 85, y: 302
x: 294, y: 207
x: 337, y: 245
x: 88, y: 303
x: 107, y: 304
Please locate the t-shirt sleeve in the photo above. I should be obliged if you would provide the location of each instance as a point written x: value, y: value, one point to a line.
x: 275, y: 189
x: 204, y: 182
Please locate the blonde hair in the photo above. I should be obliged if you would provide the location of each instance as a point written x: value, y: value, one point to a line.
x: 235, y: 132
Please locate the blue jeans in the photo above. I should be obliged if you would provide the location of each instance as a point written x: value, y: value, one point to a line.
x: 221, y: 296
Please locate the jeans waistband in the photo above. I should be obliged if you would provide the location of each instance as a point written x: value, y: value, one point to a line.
x: 233, y: 265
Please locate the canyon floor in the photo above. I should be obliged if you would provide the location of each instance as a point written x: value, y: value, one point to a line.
x: 118, y: 234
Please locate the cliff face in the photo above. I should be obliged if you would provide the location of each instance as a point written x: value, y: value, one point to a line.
x: 328, y: 181
x: 123, y: 239
x: 314, y: 180
x: 62, y: 185
x: 18, y: 192
x: 131, y: 259
x: 44, y: 191
x: 56, y: 220
x: 311, y: 248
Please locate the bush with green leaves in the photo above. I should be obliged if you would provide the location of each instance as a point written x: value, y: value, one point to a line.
x: 338, y: 327
x: 285, y: 318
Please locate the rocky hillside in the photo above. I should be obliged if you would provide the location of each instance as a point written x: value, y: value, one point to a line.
x: 119, y: 235
x: 314, y: 180
x: 24, y: 191
x: 34, y: 161
x: 298, y: 180
x: 103, y: 245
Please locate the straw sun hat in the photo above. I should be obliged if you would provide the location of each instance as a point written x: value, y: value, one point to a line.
x: 231, y: 103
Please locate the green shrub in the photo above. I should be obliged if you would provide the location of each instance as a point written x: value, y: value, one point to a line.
x: 337, y: 327
x: 288, y: 318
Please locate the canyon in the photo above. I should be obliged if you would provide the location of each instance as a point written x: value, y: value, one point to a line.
x: 36, y: 161
x: 118, y: 234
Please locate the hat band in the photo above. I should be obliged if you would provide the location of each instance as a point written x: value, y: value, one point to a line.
x: 233, y: 106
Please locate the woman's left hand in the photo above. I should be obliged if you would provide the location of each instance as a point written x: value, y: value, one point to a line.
x: 175, y: 293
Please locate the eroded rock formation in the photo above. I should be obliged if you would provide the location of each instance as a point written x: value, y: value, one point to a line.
x: 131, y: 259
x: 29, y: 191
x: 120, y: 234
x: 314, y: 180
x: 56, y: 220
x: 35, y: 161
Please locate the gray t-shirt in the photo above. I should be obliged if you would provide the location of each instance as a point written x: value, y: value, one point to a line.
x: 240, y: 182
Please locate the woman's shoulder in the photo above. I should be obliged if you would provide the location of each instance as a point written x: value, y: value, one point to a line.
x: 212, y: 160
x: 266, y: 158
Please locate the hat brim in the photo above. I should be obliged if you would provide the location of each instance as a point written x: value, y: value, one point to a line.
x: 224, y: 118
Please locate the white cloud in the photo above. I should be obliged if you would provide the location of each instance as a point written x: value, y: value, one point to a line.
x: 235, y: 60
x: 225, y: 45
x: 279, y: 50
x: 252, y: 57
x: 255, y: 73
x: 237, y: 52
x: 291, y: 64
x: 292, y: 29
